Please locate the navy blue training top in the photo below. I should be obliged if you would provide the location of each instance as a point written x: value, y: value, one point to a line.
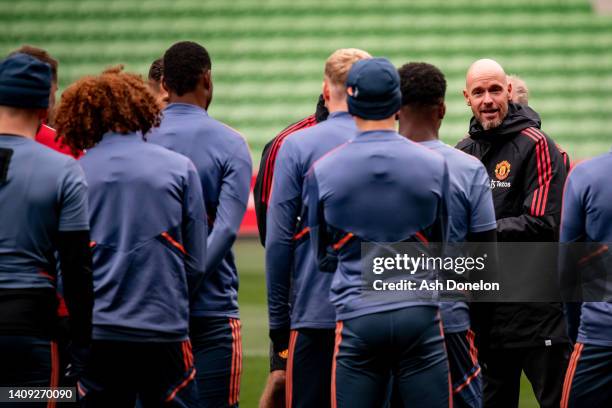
x: 223, y: 161
x: 379, y: 187
x: 41, y: 192
x: 298, y: 293
x: 148, y: 232
x: 587, y: 216
x: 470, y: 210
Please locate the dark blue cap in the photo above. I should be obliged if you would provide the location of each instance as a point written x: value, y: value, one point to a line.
x: 373, y: 87
x: 25, y: 82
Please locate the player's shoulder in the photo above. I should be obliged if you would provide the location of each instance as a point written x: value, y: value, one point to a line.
x: 432, y: 156
x: 596, y: 167
x: 152, y: 150
x: 330, y: 158
x: 461, y: 159
x: 47, y: 156
x: 303, y: 129
x: 282, y: 136
x: 532, y: 136
x: 225, y: 134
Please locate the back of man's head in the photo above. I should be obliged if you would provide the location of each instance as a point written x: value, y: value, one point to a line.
x: 520, y: 92
x: 423, y: 85
x: 373, y: 88
x: 40, y: 55
x: 183, y: 65
x: 156, y: 70
x: 340, y: 62
x: 25, y: 82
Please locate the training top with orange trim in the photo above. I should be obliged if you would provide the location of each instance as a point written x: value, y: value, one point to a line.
x: 148, y: 231
x: 42, y: 192
x: 364, y: 188
x: 470, y: 211
x: 298, y: 293
x: 223, y: 162
x: 587, y: 216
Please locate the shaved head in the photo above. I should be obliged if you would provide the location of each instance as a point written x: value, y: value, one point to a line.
x: 487, y: 92
x: 484, y: 68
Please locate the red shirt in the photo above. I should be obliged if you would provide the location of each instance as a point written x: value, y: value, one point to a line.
x: 46, y: 135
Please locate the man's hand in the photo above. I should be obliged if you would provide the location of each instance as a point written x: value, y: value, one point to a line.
x: 273, y: 395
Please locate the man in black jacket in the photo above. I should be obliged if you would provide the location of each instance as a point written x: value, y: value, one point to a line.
x: 527, y: 174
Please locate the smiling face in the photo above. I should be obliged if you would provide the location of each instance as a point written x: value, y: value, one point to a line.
x: 487, y: 93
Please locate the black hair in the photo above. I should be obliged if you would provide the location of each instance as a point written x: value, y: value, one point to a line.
x: 156, y: 70
x: 184, y: 63
x: 422, y: 84
x: 321, y: 113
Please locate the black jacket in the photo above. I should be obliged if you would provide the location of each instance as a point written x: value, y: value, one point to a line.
x: 527, y: 172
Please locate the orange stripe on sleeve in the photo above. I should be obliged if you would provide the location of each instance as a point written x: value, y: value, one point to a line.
x: 300, y: 234
x: 174, y: 243
x: 343, y: 241
x: 421, y: 237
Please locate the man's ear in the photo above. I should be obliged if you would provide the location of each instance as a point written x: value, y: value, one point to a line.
x: 441, y: 110
x: 466, y: 96
x: 509, y: 91
x: 326, y: 91
x: 207, y: 80
x: 162, y: 83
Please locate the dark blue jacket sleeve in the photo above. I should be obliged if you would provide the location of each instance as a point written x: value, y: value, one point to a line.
x: 283, y: 211
x: 233, y: 200
x: 194, y: 229
x: 572, y: 230
x: 317, y: 225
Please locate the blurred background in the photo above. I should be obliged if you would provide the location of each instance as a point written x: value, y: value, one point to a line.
x: 268, y: 55
x: 268, y: 58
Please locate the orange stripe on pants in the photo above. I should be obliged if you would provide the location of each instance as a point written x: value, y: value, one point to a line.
x: 236, y: 371
x: 339, y: 326
x: 569, y: 375
x: 289, y: 381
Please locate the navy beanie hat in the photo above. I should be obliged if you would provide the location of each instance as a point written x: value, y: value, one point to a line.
x: 373, y: 87
x: 25, y: 82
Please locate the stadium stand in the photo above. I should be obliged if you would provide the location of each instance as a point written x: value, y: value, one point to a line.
x: 268, y: 54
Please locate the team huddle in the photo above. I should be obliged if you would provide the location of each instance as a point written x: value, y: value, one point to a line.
x: 117, y: 274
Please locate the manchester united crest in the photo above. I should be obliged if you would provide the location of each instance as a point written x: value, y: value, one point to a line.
x: 502, y: 170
